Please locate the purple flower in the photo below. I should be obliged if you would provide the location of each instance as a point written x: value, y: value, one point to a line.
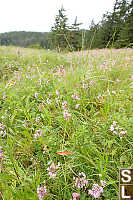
x: 103, y: 183
x: 77, y: 105
x: 57, y: 100
x: 64, y: 104
x: 37, y: 119
x: 75, y: 195
x: 52, y: 170
x: 66, y: 114
x: 37, y: 134
x: 57, y: 92
x: 96, y: 191
x: 36, y: 95
x: 48, y: 101
x: 112, y: 128
x: 42, y: 192
x: 75, y: 97
x: 116, y: 129
x: 123, y: 132
x: 81, y: 181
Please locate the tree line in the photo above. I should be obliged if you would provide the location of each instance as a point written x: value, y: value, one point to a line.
x: 25, y: 39
x: 114, y: 30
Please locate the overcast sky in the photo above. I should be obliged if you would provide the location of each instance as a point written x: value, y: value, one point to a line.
x: 39, y: 15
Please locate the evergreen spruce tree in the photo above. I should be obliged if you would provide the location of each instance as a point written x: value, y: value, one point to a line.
x: 59, y: 34
x: 126, y: 33
x: 75, y: 36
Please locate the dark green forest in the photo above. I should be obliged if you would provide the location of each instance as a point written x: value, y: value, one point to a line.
x: 25, y: 39
x: 114, y: 30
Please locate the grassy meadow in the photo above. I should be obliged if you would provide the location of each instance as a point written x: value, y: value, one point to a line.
x: 66, y: 123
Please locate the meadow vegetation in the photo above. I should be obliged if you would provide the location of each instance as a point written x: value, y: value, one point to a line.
x: 66, y: 123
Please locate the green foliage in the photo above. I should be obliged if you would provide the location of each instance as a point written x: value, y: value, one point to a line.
x: 95, y: 87
x: 59, y: 34
x: 64, y: 36
x: 114, y: 30
x: 25, y: 39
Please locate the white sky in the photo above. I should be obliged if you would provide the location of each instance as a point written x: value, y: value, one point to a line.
x: 39, y: 15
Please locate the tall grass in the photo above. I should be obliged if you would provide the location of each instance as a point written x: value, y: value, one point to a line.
x: 60, y: 108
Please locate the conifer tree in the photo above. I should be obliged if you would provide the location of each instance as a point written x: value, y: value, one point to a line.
x: 60, y: 30
x: 75, y: 36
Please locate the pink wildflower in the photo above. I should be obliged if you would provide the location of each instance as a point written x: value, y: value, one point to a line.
x: 96, y: 191
x: 37, y: 134
x: 57, y: 100
x: 52, y: 169
x: 114, y: 123
x: 64, y: 104
x: 37, y: 119
x: 75, y: 195
x: 42, y: 192
x: 116, y: 129
x: 131, y: 77
x: 57, y: 92
x: 91, y: 82
x: 48, y: 101
x: 117, y: 80
x: 77, y: 105
x: 36, y: 95
x: 61, y: 71
x: 112, y: 128
x: 81, y: 181
x: 103, y: 183
x: 100, y: 175
x: 85, y: 85
x: 115, y: 132
x: 123, y: 132
x: 75, y: 97
x: 66, y: 114
x: 100, y: 97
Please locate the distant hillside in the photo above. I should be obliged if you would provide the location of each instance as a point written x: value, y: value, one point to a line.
x: 25, y: 39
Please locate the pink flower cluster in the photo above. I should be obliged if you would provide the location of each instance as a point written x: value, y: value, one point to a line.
x: 81, y: 181
x: 95, y: 191
x: 42, y: 192
x: 103, y: 183
x: 26, y: 123
x: 52, y: 170
x: 61, y: 71
x: 48, y: 101
x: 66, y: 115
x: 75, y: 97
x: 75, y: 195
x: 116, y: 129
x: 64, y: 104
x: 37, y: 134
x: 37, y: 119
